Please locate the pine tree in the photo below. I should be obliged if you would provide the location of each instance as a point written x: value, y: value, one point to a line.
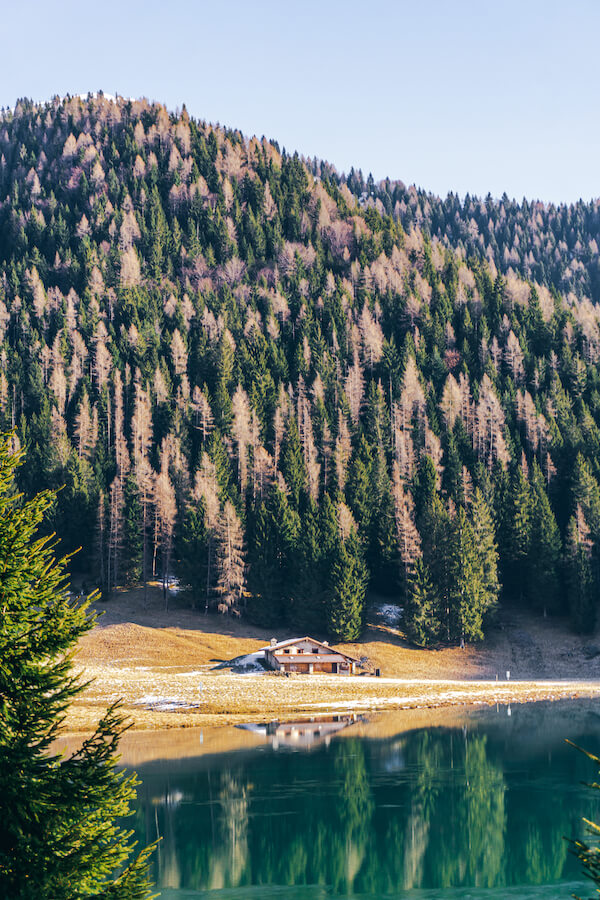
x: 383, y: 545
x: 587, y: 853
x: 545, y: 548
x: 586, y: 493
x: 347, y: 589
x: 422, y: 607
x: 580, y: 574
x: 132, y: 539
x: 467, y: 595
x: 359, y: 488
x: 517, y: 526
x: 436, y: 531
x: 292, y: 463
x: 273, y: 541
x: 307, y: 585
x: 58, y: 840
x: 192, y: 551
x: 486, y: 549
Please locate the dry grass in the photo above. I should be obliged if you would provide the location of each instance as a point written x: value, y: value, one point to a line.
x: 161, y: 663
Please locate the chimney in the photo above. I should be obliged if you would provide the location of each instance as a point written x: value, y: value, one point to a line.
x: 273, y: 641
x: 326, y: 643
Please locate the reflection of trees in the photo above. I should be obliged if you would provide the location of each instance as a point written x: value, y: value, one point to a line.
x: 539, y: 852
x: 355, y: 810
x: 360, y: 816
x: 229, y: 859
x: 430, y: 758
x: 545, y: 854
x: 169, y: 872
x: 467, y: 835
x: 325, y: 840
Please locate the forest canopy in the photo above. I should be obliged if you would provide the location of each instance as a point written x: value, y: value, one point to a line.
x: 274, y: 383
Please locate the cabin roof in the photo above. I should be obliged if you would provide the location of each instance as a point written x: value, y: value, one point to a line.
x: 298, y: 658
x: 280, y: 645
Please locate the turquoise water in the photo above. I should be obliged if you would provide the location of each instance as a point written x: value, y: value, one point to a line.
x: 476, y: 812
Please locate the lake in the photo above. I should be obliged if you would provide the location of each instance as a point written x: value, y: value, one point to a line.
x: 473, y: 806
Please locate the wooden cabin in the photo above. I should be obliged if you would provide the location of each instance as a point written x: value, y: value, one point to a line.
x: 309, y: 656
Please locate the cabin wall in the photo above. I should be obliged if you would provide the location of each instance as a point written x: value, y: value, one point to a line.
x: 324, y: 668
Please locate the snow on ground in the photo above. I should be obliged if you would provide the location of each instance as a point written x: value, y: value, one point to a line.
x: 250, y: 664
x: 390, y: 613
x: 165, y: 704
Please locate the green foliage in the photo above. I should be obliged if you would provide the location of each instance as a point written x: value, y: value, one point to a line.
x: 274, y: 534
x: 347, y: 589
x: 422, y: 608
x: 517, y: 524
x: 468, y: 598
x: 581, y: 575
x: 143, y: 289
x: 545, y: 549
x: 59, y: 838
x: 193, y: 552
x: 587, y: 853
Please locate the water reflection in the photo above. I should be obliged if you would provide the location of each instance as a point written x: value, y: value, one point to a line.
x: 303, y: 733
x: 482, y: 806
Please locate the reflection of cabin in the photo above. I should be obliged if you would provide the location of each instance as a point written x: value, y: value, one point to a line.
x: 303, y: 733
x: 308, y: 656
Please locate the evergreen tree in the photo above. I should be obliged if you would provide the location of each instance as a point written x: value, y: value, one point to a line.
x: 192, y: 551
x: 132, y: 537
x: 292, y: 464
x: 586, y: 493
x: 58, y: 840
x: 487, y: 552
x: 273, y: 540
x: 244, y: 309
x: 467, y: 590
x: 435, y: 542
x: 347, y: 589
x: 517, y: 527
x: 383, y: 546
x: 359, y: 488
x: 545, y: 548
x: 422, y: 607
x: 308, y: 584
x: 580, y: 574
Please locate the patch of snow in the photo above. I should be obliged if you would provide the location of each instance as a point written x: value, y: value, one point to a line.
x: 391, y: 613
x: 249, y: 664
x: 165, y: 704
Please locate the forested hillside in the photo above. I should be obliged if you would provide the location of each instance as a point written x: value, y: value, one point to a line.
x: 246, y: 377
x: 556, y: 245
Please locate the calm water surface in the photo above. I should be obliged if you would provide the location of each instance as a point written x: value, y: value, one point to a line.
x: 475, y: 811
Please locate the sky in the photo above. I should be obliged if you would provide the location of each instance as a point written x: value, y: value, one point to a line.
x: 469, y: 96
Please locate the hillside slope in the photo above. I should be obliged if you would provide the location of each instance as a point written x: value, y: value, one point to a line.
x: 244, y: 376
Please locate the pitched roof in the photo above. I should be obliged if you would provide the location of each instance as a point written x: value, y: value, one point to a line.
x: 281, y: 644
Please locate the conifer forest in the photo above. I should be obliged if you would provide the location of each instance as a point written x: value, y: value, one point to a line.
x: 289, y: 388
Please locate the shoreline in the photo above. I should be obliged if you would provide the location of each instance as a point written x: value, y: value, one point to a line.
x: 171, y: 669
x: 156, y: 701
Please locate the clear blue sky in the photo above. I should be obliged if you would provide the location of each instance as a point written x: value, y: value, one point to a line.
x: 463, y: 95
